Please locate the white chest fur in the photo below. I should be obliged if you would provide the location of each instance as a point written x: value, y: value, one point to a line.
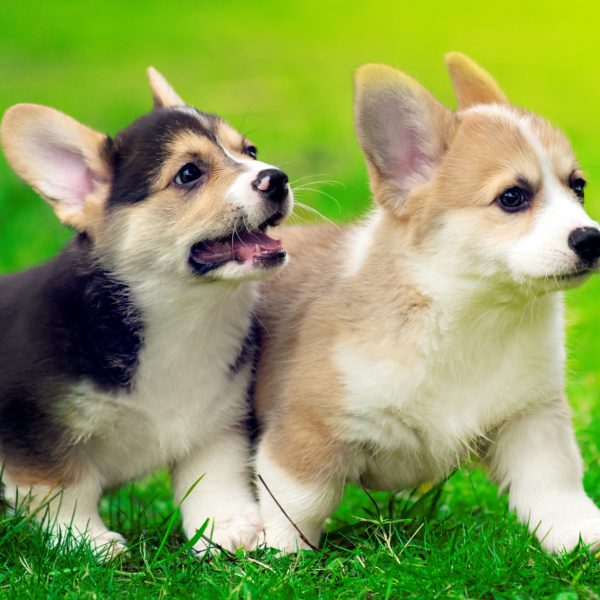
x: 418, y: 412
x: 184, y: 391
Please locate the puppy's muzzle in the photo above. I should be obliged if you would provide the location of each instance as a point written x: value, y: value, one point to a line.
x: 272, y: 184
x: 585, y: 242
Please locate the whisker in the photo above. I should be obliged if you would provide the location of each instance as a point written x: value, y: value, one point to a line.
x: 318, y: 191
x: 316, y: 212
x: 304, y: 182
x: 297, y: 219
x: 312, y: 175
x: 307, y: 180
x: 305, y: 188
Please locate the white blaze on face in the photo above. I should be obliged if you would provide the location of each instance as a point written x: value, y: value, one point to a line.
x: 544, y: 252
x: 244, y: 196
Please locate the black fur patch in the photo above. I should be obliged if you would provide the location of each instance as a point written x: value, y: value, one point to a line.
x: 249, y: 354
x: 108, y: 332
x: 29, y: 434
x: 88, y: 327
x: 137, y: 153
x: 62, y: 323
x: 68, y: 319
x: 248, y: 349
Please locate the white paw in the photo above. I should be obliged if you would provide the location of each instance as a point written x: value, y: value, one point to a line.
x: 241, y: 530
x: 565, y: 536
x: 107, y: 545
x: 285, y: 539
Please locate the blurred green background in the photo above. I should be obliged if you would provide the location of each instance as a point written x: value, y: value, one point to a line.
x: 281, y: 73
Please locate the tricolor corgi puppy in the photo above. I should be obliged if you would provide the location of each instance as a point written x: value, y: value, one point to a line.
x: 130, y: 350
x: 396, y: 348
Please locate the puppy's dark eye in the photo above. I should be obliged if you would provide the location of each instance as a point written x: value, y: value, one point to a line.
x: 514, y: 199
x: 578, y: 186
x: 251, y: 151
x: 187, y: 174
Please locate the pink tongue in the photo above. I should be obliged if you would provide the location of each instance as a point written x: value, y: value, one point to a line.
x: 241, y: 247
x: 245, y: 245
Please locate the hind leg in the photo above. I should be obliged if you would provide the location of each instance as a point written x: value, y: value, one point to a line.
x: 304, y: 487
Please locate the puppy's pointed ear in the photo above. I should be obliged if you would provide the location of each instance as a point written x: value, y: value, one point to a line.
x: 163, y: 94
x: 472, y: 84
x: 402, y: 129
x: 63, y: 160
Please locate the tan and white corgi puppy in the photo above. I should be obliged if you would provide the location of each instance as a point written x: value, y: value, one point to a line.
x: 396, y: 348
x: 131, y: 349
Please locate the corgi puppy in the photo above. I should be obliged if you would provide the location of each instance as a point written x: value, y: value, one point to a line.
x: 395, y: 349
x: 131, y: 349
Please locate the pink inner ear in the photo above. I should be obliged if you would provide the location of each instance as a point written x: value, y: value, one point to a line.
x: 407, y: 164
x: 398, y: 132
x: 69, y: 179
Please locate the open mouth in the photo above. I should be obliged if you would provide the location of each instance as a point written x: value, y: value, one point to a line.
x: 255, y: 248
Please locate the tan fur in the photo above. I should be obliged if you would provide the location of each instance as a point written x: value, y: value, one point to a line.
x: 172, y: 216
x: 396, y: 95
x: 174, y: 211
x: 311, y: 307
x: 22, y: 141
x: 70, y: 472
x: 472, y: 85
x: 487, y: 156
x: 299, y: 428
x: 132, y: 233
x: 232, y: 140
x: 304, y: 311
x: 162, y: 93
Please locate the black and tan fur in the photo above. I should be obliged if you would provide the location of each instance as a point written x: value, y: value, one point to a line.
x: 126, y: 351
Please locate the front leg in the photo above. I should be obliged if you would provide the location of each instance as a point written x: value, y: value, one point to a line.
x: 70, y: 514
x: 219, y: 469
x: 536, y: 458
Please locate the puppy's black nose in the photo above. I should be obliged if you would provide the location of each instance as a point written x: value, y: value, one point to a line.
x: 273, y: 183
x: 585, y: 242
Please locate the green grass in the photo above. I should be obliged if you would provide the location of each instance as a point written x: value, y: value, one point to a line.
x: 281, y: 72
x: 455, y: 541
